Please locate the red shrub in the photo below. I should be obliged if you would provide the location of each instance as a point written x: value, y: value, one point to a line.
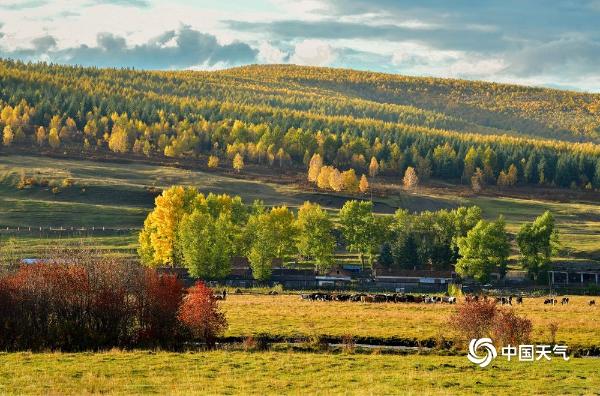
x: 81, y: 303
x: 200, y: 315
x: 508, y: 328
x: 159, y: 306
x: 474, y: 319
x: 477, y: 319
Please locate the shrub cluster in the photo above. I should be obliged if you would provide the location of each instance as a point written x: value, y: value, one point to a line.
x: 98, y: 304
x: 484, y: 318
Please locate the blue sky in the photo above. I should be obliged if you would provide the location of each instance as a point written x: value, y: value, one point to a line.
x: 534, y: 42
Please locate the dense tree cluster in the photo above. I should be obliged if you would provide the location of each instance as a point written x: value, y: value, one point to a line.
x: 205, y: 233
x: 282, y: 116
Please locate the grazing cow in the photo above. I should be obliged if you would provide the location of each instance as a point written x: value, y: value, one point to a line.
x: 341, y: 297
x: 519, y: 300
x: 550, y: 301
x: 221, y: 296
x: 367, y: 298
x: 564, y: 300
x: 357, y: 297
x: 592, y: 302
x: 238, y: 291
x: 323, y: 297
x: 379, y: 298
x: 504, y: 300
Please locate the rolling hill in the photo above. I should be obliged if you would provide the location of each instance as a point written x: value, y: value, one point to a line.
x: 279, y: 116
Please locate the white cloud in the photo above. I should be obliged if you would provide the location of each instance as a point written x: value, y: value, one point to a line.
x: 270, y: 54
x: 473, y: 67
x: 313, y: 53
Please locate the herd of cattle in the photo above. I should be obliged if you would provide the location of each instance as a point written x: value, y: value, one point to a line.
x: 378, y: 298
x: 426, y: 299
x: 563, y: 301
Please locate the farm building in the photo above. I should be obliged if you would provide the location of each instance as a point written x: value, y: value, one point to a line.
x: 336, y: 277
x: 571, y: 274
x: 406, y: 280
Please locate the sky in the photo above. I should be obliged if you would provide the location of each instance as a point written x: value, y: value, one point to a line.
x: 552, y: 43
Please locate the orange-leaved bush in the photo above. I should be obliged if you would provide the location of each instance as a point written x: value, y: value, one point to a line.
x: 199, y: 313
x: 82, y: 303
x: 484, y: 318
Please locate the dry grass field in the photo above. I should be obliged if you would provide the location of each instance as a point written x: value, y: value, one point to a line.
x: 287, y: 315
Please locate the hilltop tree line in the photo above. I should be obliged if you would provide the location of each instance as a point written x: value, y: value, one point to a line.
x: 206, y: 233
x: 158, y: 114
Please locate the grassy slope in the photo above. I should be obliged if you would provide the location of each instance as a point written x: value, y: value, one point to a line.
x: 115, y: 196
x: 289, y: 316
x: 262, y: 373
x: 475, y: 106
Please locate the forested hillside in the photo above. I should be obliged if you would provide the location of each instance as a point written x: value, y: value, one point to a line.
x: 283, y: 115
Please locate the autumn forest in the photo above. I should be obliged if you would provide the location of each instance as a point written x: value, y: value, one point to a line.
x: 285, y: 116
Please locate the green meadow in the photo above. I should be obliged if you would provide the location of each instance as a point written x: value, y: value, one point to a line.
x: 118, y: 195
x: 274, y: 373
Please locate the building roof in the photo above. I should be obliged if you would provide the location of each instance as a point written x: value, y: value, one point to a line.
x: 402, y: 273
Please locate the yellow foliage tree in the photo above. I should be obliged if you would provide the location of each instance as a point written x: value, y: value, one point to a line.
x: 411, y: 180
x: 350, y: 181
x: 335, y: 180
x: 118, y: 140
x: 238, y: 162
x: 213, y: 161
x: 53, y: 138
x: 363, y: 185
x: 158, y: 239
x: 314, y: 167
x: 323, y: 179
x: 8, y: 136
x: 373, y: 167
x: 40, y: 136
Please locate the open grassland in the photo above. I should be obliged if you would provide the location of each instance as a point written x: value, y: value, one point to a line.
x: 260, y: 373
x: 287, y: 315
x: 119, y: 195
x: 33, y: 244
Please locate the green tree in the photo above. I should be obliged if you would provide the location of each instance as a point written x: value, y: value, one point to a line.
x: 405, y: 253
x: 206, y: 244
x: 537, y: 242
x: 386, y: 259
x: 358, y: 227
x: 272, y: 236
x: 484, y: 249
x: 315, y: 239
x: 471, y: 161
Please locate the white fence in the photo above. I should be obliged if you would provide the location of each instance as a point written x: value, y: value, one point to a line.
x: 8, y: 229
